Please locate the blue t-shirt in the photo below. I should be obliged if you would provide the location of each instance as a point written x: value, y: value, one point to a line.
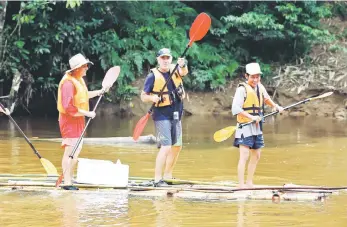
x: 165, y: 112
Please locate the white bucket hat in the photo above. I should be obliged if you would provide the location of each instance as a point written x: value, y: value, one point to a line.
x: 253, y: 68
x: 77, y: 61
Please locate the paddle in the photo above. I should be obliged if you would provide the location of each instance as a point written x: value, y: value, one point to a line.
x: 110, y: 77
x: 225, y: 133
x: 198, y: 30
x: 49, y: 167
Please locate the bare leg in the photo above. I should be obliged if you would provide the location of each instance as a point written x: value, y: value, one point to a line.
x: 244, y: 155
x: 74, y: 161
x: 252, y: 165
x: 171, y: 161
x: 160, y: 162
x: 66, y: 164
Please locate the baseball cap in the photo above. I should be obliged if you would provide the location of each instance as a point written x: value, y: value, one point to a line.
x: 164, y: 52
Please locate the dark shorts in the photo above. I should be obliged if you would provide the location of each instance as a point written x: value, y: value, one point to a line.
x: 253, y: 142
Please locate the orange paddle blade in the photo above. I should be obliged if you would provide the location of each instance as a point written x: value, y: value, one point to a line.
x: 141, y: 124
x: 60, y: 179
x: 199, y: 28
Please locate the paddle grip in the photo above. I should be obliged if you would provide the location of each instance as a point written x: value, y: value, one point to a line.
x: 168, y: 79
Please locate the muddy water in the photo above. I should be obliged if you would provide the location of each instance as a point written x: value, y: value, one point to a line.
x: 307, y: 151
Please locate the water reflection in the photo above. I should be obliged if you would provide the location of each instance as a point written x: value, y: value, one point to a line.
x: 104, y: 208
x: 165, y: 212
x: 298, y: 150
x: 65, y: 209
x: 67, y: 206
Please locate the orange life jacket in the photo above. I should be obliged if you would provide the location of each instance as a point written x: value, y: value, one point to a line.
x: 81, y: 99
x: 159, y: 83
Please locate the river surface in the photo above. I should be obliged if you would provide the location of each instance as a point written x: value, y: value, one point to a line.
x: 307, y: 151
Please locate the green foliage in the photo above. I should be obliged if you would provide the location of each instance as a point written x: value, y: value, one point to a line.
x: 292, y: 27
x: 125, y: 92
x: 334, y: 48
x: 339, y: 8
x: 73, y: 3
x: 47, y: 84
x: 43, y: 35
x: 251, y: 21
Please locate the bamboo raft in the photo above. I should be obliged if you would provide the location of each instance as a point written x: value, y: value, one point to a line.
x: 148, y: 139
x: 196, y: 190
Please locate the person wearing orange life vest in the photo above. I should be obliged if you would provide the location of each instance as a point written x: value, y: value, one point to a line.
x: 248, y: 103
x: 73, y: 107
x: 167, y: 112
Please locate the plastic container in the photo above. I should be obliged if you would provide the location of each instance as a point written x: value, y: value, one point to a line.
x: 102, y: 172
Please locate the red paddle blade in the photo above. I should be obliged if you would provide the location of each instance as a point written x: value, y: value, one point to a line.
x: 199, y: 28
x: 111, y: 76
x: 141, y: 124
x: 60, y: 179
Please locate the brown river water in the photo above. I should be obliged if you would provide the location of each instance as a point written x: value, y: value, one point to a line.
x: 307, y: 151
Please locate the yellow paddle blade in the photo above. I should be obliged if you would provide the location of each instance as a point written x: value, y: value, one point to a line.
x: 224, y: 133
x: 49, y: 167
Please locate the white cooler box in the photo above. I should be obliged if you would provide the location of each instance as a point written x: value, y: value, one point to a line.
x: 93, y: 171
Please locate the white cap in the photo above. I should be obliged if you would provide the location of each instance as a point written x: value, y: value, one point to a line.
x: 77, y: 61
x: 253, y: 68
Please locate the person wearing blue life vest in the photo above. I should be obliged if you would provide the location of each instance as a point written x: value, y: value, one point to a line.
x: 167, y: 112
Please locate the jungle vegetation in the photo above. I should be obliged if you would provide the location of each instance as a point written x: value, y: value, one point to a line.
x: 38, y: 38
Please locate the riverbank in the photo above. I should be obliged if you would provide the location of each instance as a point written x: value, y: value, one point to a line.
x: 219, y: 103
x: 321, y: 71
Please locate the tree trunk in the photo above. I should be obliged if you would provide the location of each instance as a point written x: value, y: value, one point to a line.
x: 13, y: 97
x: 3, y: 5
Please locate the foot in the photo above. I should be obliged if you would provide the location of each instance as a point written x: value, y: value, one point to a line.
x: 167, y: 180
x: 147, y: 183
x: 70, y: 187
x: 133, y: 183
x: 160, y: 183
x: 249, y: 185
x: 241, y: 186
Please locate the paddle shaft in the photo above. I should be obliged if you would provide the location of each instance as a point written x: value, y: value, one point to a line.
x: 276, y: 112
x: 168, y: 79
x: 20, y: 130
x: 84, y: 130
